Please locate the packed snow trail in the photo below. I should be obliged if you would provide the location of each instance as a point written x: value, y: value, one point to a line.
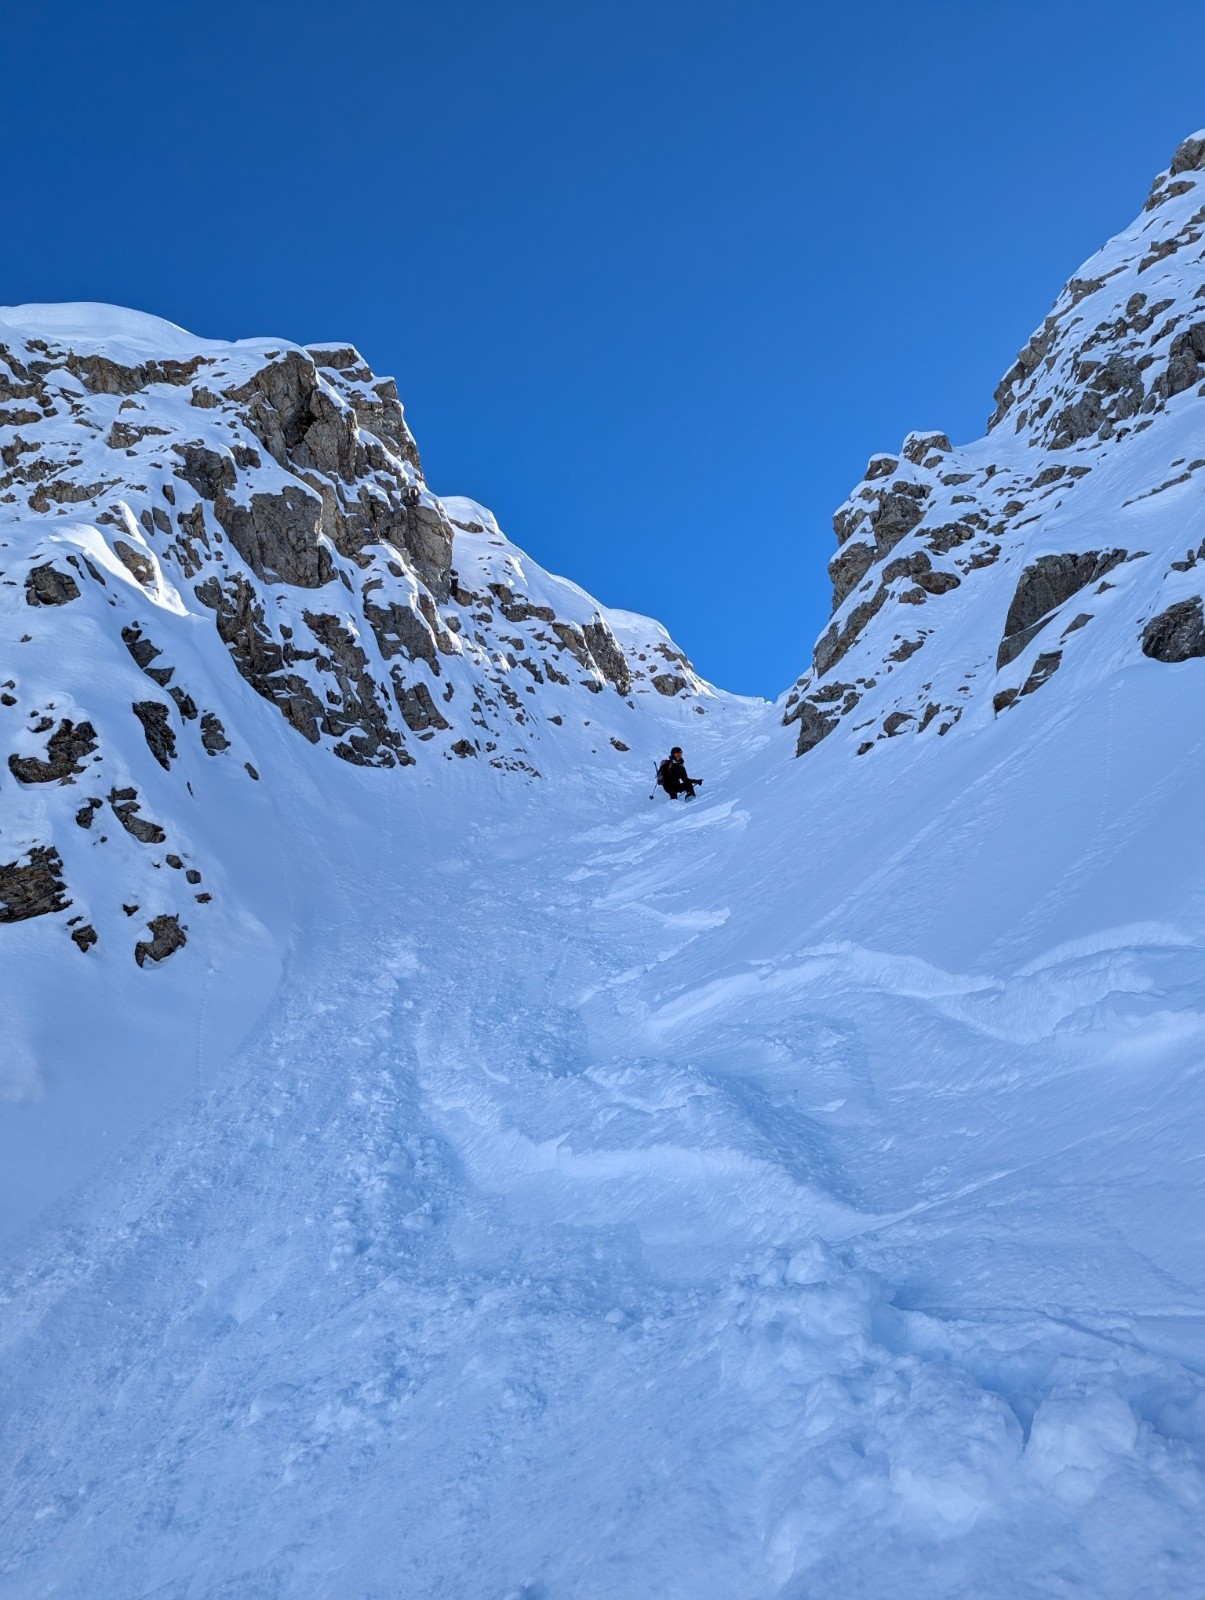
x: 759, y: 1197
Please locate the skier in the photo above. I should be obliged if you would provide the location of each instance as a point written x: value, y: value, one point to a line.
x: 671, y: 776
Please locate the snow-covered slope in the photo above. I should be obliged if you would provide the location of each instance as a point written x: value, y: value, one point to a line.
x: 551, y: 1192
x: 222, y: 577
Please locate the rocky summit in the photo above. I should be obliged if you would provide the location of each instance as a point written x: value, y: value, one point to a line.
x: 966, y: 577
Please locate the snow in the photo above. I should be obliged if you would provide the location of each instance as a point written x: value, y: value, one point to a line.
x: 522, y: 1188
x: 766, y: 1196
x: 118, y: 331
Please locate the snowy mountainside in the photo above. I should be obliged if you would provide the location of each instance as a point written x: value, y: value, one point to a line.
x: 186, y: 525
x: 967, y: 577
x: 525, y: 1189
x: 224, y: 582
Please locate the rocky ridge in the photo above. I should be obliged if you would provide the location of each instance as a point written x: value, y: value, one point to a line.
x: 1080, y: 509
x: 190, y: 529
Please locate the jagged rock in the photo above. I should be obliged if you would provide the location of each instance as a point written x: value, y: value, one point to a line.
x: 156, y: 725
x: 141, y: 648
x: 464, y: 747
x: 428, y: 541
x: 917, y: 446
x: 815, y: 724
x: 205, y: 470
x: 124, y: 435
x: 605, y: 652
x: 34, y: 887
x: 574, y: 640
x: 1044, y: 586
x: 897, y: 513
x: 400, y: 630
x: 85, y: 936
x: 840, y: 637
x: 213, y: 734
x: 279, y: 400
x: 516, y: 610
x: 1078, y: 421
x: 99, y: 375
x: 260, y: 658
x: 62, y: 492
x: 1121, y: 379
x: 126, y: 805
x: 1189, y: 157
x: 197, y: 510
x: 339, y: 357
x: 359, y: 719
x: 167, y: 936
x: 68, y: 747
x: 47, y: 586
x: 277, y: 536
x: 949, y: 535
x: 1177, y: 634
x: 418, y: 708
x: 1044, y: 667
x: 185, y: 704
x: 848, y: 567
x: 139, y: 565
x: 1184, y: 361
x: 84, y: 815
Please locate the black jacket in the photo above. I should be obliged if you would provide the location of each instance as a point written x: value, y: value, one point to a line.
x: 671, y: 775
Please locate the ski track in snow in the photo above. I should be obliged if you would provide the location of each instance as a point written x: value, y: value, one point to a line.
x: 593, y: 1214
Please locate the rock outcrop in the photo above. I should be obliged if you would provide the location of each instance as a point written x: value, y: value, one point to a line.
x: 1033, y: 516
x: 32, y: 887
x: 211, y: 520
x: 1177, y: 634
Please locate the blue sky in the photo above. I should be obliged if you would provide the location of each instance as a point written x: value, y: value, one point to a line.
x: 655, y: 279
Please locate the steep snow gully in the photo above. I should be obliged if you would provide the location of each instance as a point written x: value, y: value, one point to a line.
x: 488, y: 1182
x: 612, y: 1201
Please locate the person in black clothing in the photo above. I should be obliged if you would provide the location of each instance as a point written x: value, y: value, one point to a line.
x: 671, y: 775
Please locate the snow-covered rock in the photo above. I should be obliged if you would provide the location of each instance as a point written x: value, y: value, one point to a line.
x: 193, y: 530
x: 1070, y: 536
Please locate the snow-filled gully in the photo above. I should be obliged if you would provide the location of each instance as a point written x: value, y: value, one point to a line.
x: 585, y: 1217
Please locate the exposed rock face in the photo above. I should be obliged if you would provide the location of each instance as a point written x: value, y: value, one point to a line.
x: 418, y: 708
x: 69, y: 746
x: 1045, y: 586
x: 156, y: 725
x: 33, y: 887
x: 135, y: 561
x: 1177, y: 634
x: 47, y: 586
x: 1018, y: 523
x: 167, y: 936
x: 604, y: 651
x: 213, y: 734
x: 126, y: 806
x: 277, y: 535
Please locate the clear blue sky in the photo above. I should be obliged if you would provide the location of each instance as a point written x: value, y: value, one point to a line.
x: 655, y: 278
